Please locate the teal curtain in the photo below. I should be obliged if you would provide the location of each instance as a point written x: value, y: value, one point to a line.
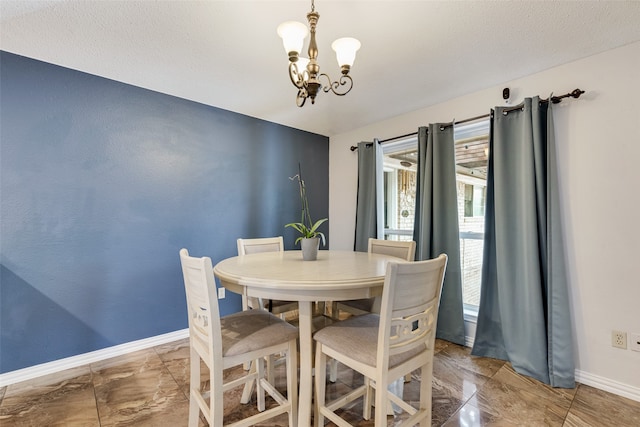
x: 524, y: 305
x: 368, y: 212
x: 436, y: 222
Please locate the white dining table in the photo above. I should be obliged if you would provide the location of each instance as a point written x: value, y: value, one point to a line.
x: 334, y: 276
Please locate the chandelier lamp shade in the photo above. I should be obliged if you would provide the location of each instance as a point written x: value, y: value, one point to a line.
x: 305, y: 72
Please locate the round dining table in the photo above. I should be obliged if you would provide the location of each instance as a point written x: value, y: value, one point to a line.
x: 334, y: 276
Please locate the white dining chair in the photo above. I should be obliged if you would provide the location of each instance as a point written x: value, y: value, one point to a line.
x: 225, y: 342
x: 405, y: 250
x: 277, y: 307
x: 265, y: 244
x: 385, y: 347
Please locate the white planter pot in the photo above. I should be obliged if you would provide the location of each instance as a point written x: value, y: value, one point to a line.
x: 310, y: 248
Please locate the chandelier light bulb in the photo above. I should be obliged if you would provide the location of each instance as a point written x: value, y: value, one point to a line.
x: 302, y: 63
x: 346, y: 49
x: 293, y: 34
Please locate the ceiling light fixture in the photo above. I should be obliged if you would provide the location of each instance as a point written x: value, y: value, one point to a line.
x: 305, y: 73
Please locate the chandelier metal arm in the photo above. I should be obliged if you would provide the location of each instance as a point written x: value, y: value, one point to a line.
x: 301, y: 97
x: 297, y: 78
x: 345, y: 80
x: 307, y: 85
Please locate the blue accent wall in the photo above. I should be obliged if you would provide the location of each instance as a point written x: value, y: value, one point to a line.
x: 101, y: 184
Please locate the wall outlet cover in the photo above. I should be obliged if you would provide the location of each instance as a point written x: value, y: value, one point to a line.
x: 221, y: 293
x: 619, y: 339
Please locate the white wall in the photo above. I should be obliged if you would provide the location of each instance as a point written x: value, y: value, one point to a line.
x: 599, y: 159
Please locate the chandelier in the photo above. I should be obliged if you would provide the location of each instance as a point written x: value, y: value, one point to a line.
x: 305, y: 72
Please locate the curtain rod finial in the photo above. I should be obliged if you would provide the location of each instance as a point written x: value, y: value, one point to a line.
x: 576, y: 93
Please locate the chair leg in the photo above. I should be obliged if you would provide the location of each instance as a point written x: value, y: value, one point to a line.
x: 271, y: 367
x: 194, y: 387
x: 259, y: 388
x: 333, y: 370
x: 216, y: 401
x: 320, y: 308
x: 381, y: 405
x: 321, y: 384
x: 194, y: 411
x: 366, y: 404
x: 334, y: 310
x: 292, y: 382
x: 245, y: 306
x: 426, y: 375
x: 248, y: 387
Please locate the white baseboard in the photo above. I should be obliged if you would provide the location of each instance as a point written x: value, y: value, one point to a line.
x: 91, y: 357
x: 609, y: 385
x: 468, y: 341
x: 470, y: 320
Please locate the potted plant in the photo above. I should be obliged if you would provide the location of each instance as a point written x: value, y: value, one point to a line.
x: 309, y: 234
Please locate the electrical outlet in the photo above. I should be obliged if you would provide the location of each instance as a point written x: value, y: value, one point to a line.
x: 635, y: 342
x: 619, y: 339
x: 221, y: 295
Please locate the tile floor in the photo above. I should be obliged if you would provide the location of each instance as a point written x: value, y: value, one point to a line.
x: 149, y: 388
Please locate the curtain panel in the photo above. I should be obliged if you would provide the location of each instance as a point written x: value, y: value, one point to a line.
x: 369, y: 195
x: 436, y: 228
x: 524, y: 305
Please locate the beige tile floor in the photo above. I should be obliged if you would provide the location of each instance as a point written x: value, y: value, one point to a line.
x: 149, y: 388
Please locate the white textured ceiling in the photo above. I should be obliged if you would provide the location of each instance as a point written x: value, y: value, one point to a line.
x: 227, y: 53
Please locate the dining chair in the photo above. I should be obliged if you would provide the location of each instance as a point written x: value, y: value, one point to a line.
x: 399, y: 249
x: 281, y: 308
x: 265, y: 244
x: 225, y: 342
x: 384, y: 347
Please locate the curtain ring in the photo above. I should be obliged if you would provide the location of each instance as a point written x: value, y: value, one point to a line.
x: 453, y: 123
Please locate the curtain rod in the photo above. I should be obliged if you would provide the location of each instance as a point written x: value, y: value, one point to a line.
x: 554, y: 99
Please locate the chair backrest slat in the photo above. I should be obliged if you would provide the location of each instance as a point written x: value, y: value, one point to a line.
x: 265, y: 244
x: 405, y: 250
x: 202, y: 303
x: 419, y: 287
x: 410, y: 301
x: 254, y: 246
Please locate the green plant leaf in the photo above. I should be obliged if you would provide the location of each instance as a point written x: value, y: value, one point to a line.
x: 306, y: 227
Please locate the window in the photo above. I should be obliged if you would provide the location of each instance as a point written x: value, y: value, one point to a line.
x: 472, y: 149
x: 474, y: 200
x: 400, y: 167
x: 400, y: 174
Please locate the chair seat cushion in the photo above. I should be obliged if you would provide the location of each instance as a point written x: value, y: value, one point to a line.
x: 357, y: 337
x: 250, y: 330
x: 361, y: 304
